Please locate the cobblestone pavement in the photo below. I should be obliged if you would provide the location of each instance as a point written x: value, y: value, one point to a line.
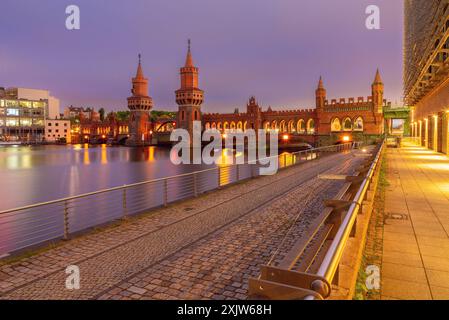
x: 201, y: 248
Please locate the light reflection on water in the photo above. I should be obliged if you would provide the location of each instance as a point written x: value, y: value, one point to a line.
x: 37, y: 174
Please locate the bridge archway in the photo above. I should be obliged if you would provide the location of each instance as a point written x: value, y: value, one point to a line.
x: 311, y: 126
x: 266, y: 125
x: 219, y: 126
x: 245, y: 126
x: 336, y: 125
x: 233, y: 126
x: 240, y: 126
x: 282, y: 126
x: 358, y: 124
x: 291, y: 126
x: 207, y: 126
x: 165, y: 126
x: 226, y: 125
x: 274, y: 125
x: 301, y: 126
x: 347, y: 124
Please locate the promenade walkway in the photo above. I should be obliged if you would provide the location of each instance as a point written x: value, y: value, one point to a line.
x: 415, y: 262
x: 203, y: 248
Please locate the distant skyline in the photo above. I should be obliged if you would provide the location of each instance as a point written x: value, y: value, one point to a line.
x: 275, y: 50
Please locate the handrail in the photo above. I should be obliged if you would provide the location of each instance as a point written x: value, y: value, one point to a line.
x: 27, y: 226
x: 333, y: 256
x: 151, y: 181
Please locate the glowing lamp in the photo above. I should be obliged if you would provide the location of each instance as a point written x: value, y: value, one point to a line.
x: 103, y: 136
x: 86, y: 137
x: 285, y: 137
x: 224, y: 135
x: 346, y: 138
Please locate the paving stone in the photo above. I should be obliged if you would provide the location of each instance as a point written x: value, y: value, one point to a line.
x: 141, y: 258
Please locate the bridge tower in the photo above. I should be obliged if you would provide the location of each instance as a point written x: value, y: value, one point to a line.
x: 189, y: 97
x: 139, y: 104
x: 378, y: 93
x: 320, y: 95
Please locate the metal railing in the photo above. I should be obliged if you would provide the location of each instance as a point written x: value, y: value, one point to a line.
x: 312, y: 263
x: 331, y: 261
x: 32, y: 225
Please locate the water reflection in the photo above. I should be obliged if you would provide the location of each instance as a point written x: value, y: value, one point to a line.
x: 42, y: 173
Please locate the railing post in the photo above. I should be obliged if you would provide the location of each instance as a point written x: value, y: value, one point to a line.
x: 195, y: 185
x: 237, y: 173
x: 66, y: 220
x: 219, y: 177
x: 124, y: 204
x: 165, y: 192
x: 285, y: 160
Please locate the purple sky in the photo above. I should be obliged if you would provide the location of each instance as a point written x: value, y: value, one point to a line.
x: 274, y: 49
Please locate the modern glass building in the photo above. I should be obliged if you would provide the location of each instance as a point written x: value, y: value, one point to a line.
x: 21, y: 120
x: 426, y: 70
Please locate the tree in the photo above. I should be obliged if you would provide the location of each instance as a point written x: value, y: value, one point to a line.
x: 123, y: 115
x: 102, y: 113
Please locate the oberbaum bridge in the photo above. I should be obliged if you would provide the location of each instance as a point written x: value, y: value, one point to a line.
x: 330, y: 122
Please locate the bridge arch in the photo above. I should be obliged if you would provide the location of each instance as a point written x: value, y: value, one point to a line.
x: 336, y: 125
x: 219, y: 126
x: 311, y: 126
x: 165, y: 126
x: 207, y: 126
x: 358, y: 124
x: 226, y: 125
x: 291, y: 126
x: 232, y: 126
x: 347, y: 124
x: 282, y: 126
x: 301, y: 126
x: 274, y: 125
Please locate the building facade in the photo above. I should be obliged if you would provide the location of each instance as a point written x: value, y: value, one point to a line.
x: 331, y: 121
x: 22, y: 115
x: 80, y: 113
x: 58, y: 130
x: 426, y: 70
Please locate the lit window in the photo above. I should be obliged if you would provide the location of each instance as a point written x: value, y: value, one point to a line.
x: 12, y: 112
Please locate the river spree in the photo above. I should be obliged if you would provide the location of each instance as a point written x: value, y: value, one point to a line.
x: 30, y: 175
